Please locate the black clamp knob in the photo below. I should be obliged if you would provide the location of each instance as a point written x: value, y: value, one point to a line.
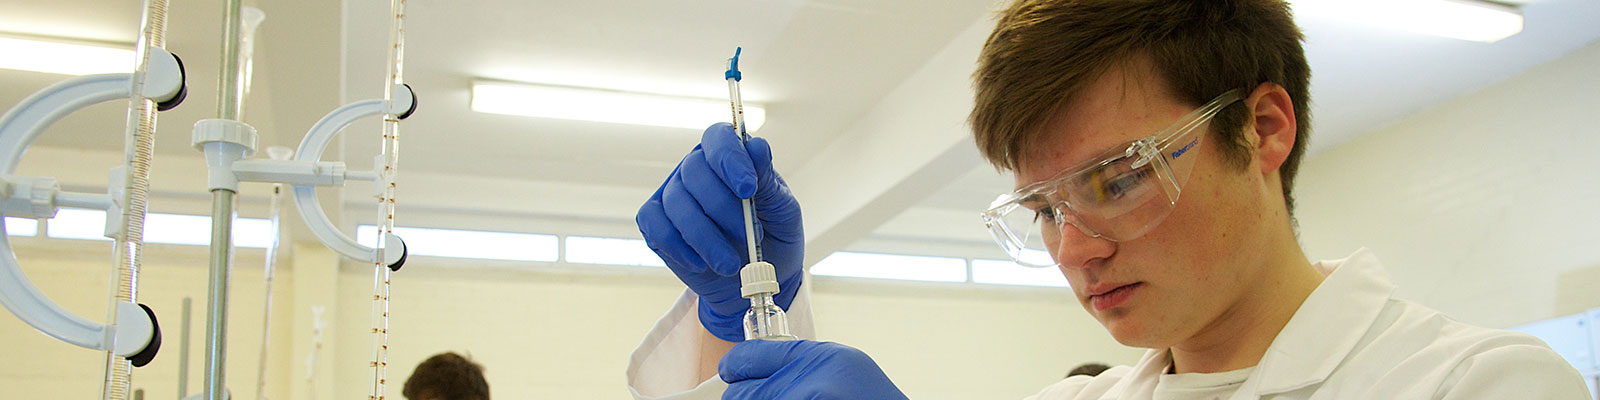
x: 403, y: 253
x: 149, y: 353
x: 411, y: 109
x: 183, y: 89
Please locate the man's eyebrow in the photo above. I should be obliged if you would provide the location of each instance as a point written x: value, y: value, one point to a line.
x: 1032, y: 198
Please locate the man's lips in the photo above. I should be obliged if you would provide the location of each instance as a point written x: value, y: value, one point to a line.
x: 1103, y: 288
x: 1109, y: 296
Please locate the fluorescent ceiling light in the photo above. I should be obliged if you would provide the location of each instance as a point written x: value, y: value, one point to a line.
x: 59, y: 57
x: 1474, y: 20
x: 606, y: 106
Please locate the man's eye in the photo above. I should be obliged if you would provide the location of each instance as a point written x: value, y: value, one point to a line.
x: 1045, y: 214
x: 1114, y: 188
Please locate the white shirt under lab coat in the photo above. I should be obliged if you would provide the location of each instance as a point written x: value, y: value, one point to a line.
x: 1349, y: 340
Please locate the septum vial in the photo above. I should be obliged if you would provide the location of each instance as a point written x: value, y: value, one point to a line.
x: 765, y: 320
x: 759, y: 280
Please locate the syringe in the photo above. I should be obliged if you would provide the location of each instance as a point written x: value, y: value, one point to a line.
x: 765, y: 320
x: 739, y: 128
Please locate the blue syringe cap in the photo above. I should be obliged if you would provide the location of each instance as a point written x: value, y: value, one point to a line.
x: 733, y: 66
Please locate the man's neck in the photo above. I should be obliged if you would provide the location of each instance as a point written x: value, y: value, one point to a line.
x: 1239, y: 337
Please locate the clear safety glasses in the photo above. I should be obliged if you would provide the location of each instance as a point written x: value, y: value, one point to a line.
x: 1118, y: 195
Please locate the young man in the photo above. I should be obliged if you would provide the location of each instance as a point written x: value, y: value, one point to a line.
x: 447, y: 376
x: 1154, y: 144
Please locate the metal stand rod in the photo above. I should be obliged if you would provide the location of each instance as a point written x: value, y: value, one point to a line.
x: 217, y: 307
x: 183, y: 351
x: 230, y: 85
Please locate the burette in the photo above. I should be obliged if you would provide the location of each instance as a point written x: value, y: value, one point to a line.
x: 390, y: 156
x: 139, y: 146
x: 274, y: 217
x: 250, y: 19
x: 758, y: 278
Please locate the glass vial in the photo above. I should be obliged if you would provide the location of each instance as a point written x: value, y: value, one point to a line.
x: 765, y: 320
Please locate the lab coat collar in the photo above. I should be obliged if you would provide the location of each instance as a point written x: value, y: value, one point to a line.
x: 1315, y: 341
x: 1327, y: 326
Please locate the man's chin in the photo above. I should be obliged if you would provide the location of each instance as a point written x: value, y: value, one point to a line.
x: 1128, y: 330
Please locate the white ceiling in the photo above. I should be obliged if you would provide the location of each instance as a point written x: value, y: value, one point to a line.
x: 815, y: 64
x: 819, y: 67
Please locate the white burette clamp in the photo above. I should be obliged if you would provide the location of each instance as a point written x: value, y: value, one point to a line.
x: 228, y: 143
x: 135, y: 335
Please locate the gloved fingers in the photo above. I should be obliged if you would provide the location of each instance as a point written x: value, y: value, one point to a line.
x: 714, y: 196
x: 727, y: 156
x: 725, y: 303
x: 748, y: 389
x: 788, y: 287
x: 757, y: 359
x: 760, y: 153
x: 725, y: 323
x: 664, y: 239
x: 803, y: 370
x: 689, y: 217
x: 769, y: 187
x: 775, y: 205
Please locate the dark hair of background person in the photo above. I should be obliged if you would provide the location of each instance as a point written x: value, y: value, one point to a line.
x: 1090, y: 369
x: 447, y: 376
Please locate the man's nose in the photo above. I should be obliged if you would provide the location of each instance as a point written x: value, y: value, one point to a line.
x: 1078, y: 248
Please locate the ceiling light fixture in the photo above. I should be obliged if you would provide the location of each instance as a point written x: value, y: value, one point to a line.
x: 1475, y: 20
x: 63, y: 57
x: 602, y: 105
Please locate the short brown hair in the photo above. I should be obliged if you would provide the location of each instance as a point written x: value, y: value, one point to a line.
x: 1044, y: 52
x: 447, y: 376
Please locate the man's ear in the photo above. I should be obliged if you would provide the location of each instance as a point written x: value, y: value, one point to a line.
x: 1273, y: 126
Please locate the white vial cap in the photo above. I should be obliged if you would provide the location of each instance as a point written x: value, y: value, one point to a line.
x: 758, y: 277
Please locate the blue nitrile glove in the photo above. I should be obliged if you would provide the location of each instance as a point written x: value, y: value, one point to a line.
x: 802, y: 369
x: 695, y: 222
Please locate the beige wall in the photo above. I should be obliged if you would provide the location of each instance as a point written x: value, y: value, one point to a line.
x: 75, y: 274
x: 541, y: 330
x: 950, y: 341
x: 559, y: 335
x: 1483, y: 207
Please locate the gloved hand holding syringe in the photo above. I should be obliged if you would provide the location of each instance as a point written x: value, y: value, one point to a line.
x: 765, y: 320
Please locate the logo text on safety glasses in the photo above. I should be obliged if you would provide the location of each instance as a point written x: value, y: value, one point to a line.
x: 1185, y: 148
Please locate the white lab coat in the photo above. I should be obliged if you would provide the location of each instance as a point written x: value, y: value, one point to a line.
x: 1349, y: 340
x: 665, y: 365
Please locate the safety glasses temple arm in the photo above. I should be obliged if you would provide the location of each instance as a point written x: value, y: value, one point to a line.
x: 1199, y: 116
